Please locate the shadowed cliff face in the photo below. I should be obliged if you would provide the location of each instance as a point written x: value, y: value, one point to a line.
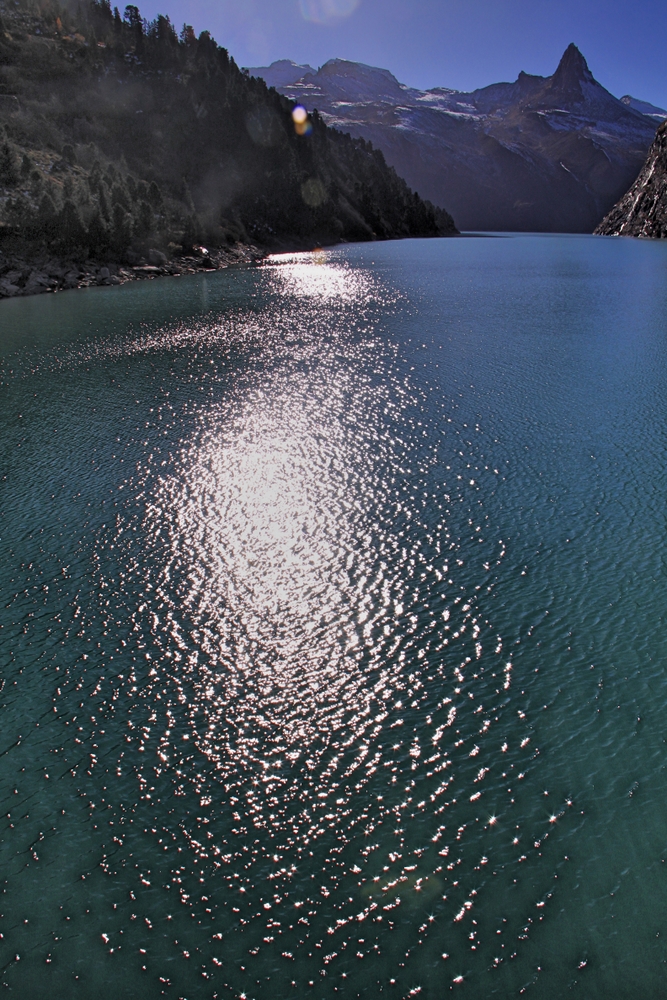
x: 542, y: 153
x: 642, y: 211
x: 571, y: 76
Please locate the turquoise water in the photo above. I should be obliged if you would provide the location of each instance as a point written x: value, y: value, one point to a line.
x: 332, y: 646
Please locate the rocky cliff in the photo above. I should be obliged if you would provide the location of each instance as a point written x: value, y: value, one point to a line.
x: 542, y: 153
x: 642, y: 211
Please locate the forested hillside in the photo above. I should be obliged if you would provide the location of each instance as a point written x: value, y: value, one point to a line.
x: 117, y: 135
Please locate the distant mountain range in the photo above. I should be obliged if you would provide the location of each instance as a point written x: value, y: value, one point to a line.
x: 541, y: 154
x: 658, y: 114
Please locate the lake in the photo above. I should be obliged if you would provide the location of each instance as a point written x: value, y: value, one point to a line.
x: 332, y: 628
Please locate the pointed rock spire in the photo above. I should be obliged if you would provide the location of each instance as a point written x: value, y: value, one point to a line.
x: 572, y: 70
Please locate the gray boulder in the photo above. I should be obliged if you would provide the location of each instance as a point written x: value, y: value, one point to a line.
x: 38, y: 283
x: 157, y: 258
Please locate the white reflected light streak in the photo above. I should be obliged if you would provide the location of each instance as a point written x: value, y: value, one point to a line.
x: 271, y: 520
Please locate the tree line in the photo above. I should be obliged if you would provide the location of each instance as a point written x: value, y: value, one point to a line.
x: 117, y: 133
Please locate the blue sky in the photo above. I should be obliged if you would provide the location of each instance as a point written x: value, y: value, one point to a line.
x: 454, y: 43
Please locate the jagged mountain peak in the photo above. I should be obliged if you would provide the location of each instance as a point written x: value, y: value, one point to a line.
x: 525, y: 77
x: 572, y: 71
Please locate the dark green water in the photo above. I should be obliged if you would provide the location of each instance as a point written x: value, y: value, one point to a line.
x: 332, y: 646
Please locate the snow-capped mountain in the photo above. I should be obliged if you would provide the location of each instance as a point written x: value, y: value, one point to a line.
x: 645, y: 108
x: 542, y: 153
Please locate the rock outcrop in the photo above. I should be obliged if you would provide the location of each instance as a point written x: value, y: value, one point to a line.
x: 22, y: 274
x: 642, y: 211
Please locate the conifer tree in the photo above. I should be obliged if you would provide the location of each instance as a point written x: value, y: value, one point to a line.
x: 47, y: 211
x: 70, y: 228
x: 143, y: 220
x: 9, y: 174
x: 121, y: 230
x: 98, y: 234
x: 103, y: 203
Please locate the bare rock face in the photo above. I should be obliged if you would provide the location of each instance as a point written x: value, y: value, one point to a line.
x: 38, y: 283
x: 642, y: 211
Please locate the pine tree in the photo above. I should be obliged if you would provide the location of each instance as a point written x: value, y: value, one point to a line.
x: 9, y: 175
x: 98, y: 235
x: 47, y: 210
x: 155, y: 195
x: 134, y: 19
x: 119, y: 196
x: 104, y: 203
x: 192, y: 232
x: 19, y: 211
x: 121, y: 230
x: 143, y: 223
x: 71, y: 233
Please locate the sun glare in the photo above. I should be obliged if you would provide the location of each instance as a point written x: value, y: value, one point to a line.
x: 327, y: 11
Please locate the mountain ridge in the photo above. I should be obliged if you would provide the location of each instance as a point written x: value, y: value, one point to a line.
x: 644, y: 107
x: 539, y: 153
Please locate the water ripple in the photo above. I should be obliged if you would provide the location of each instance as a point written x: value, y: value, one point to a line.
x: 309, y: 684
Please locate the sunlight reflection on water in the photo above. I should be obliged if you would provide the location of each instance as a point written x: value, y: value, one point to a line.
x: 307, y: 645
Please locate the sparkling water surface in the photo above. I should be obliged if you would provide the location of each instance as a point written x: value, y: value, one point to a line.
x: 332, y: 638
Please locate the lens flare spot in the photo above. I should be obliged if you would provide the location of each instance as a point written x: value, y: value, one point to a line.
x: 302, y: 123
x: 327, y: 11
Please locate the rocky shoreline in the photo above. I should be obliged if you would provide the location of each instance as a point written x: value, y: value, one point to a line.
x: 24, y: 274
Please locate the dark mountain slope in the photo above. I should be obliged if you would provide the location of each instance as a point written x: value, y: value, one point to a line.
x: 542, y: 153
x: 116, y: 133
x: 642, y: 211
